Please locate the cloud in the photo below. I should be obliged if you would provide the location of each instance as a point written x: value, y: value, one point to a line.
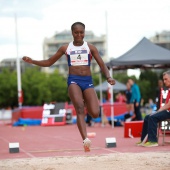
x: 128, y: 22
x: 31, y: 8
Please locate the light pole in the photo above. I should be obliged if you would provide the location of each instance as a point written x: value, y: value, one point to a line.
x: 110, y: 87
x: 20, y: 96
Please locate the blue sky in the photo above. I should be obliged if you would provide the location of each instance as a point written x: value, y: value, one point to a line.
x: 128, y: 22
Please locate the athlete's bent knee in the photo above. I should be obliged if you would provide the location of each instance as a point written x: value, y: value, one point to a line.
x: 95, y: 114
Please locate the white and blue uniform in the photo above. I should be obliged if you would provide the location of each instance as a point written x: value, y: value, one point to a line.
x: 79, y: 56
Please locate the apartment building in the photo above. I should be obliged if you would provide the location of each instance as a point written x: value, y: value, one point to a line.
x: 162, y: 39
x: 11, y: 64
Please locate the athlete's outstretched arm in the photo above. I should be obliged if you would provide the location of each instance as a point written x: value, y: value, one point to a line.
x: 102, y: 65
x: 48, y: 62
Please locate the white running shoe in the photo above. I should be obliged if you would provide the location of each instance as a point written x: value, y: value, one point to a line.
x: 86, y: 145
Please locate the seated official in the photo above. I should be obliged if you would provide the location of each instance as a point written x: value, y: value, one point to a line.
x: 151, y: 121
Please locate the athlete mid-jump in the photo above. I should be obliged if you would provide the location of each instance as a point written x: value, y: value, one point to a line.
x: 80, y: 85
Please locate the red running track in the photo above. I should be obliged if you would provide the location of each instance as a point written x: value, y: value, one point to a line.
x: 38, y: 141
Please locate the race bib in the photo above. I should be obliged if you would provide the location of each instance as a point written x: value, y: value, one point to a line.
x: 79, y: 57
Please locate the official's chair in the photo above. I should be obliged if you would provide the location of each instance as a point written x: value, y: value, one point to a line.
x: 165, y: 130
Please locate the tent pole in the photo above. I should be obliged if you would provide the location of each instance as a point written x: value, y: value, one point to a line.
x: 111, y: 102
x: 101, y: 97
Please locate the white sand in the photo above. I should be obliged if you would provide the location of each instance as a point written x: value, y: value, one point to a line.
x: 117, y: 161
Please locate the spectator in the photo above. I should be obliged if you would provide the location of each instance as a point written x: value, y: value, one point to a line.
x: 135, y: 98
x: 150, y: 106
x: 120, y: 98
x: 104, y: 100
x: 149, y: 129
x: 129, y: 104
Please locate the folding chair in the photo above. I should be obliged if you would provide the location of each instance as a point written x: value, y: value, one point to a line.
x: 165, y: 127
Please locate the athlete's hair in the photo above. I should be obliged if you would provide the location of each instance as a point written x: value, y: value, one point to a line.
x: 77, y: 23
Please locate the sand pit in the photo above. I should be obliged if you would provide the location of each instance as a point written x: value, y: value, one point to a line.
x: 117, y: 161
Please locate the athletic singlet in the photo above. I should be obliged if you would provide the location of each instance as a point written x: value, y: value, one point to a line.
x: 78, y: 55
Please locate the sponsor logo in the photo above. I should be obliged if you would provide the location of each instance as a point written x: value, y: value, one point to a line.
x: 90, y: 84
x: 73, y: 82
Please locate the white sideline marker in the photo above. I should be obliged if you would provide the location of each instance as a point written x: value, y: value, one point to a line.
x: 110, y: 142
x: 14, y: 147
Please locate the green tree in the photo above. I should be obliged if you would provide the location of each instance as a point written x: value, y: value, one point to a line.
x: 123, y: 77
x: 145, y: 89
x: 95, y: 77
x: 35, y: 87
x: 148, y: 81
x: 58, y: 87
x: 40, y: 87
x: 8, y: 88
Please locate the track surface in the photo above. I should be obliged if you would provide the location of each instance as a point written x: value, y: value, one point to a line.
x: 52, y: 141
